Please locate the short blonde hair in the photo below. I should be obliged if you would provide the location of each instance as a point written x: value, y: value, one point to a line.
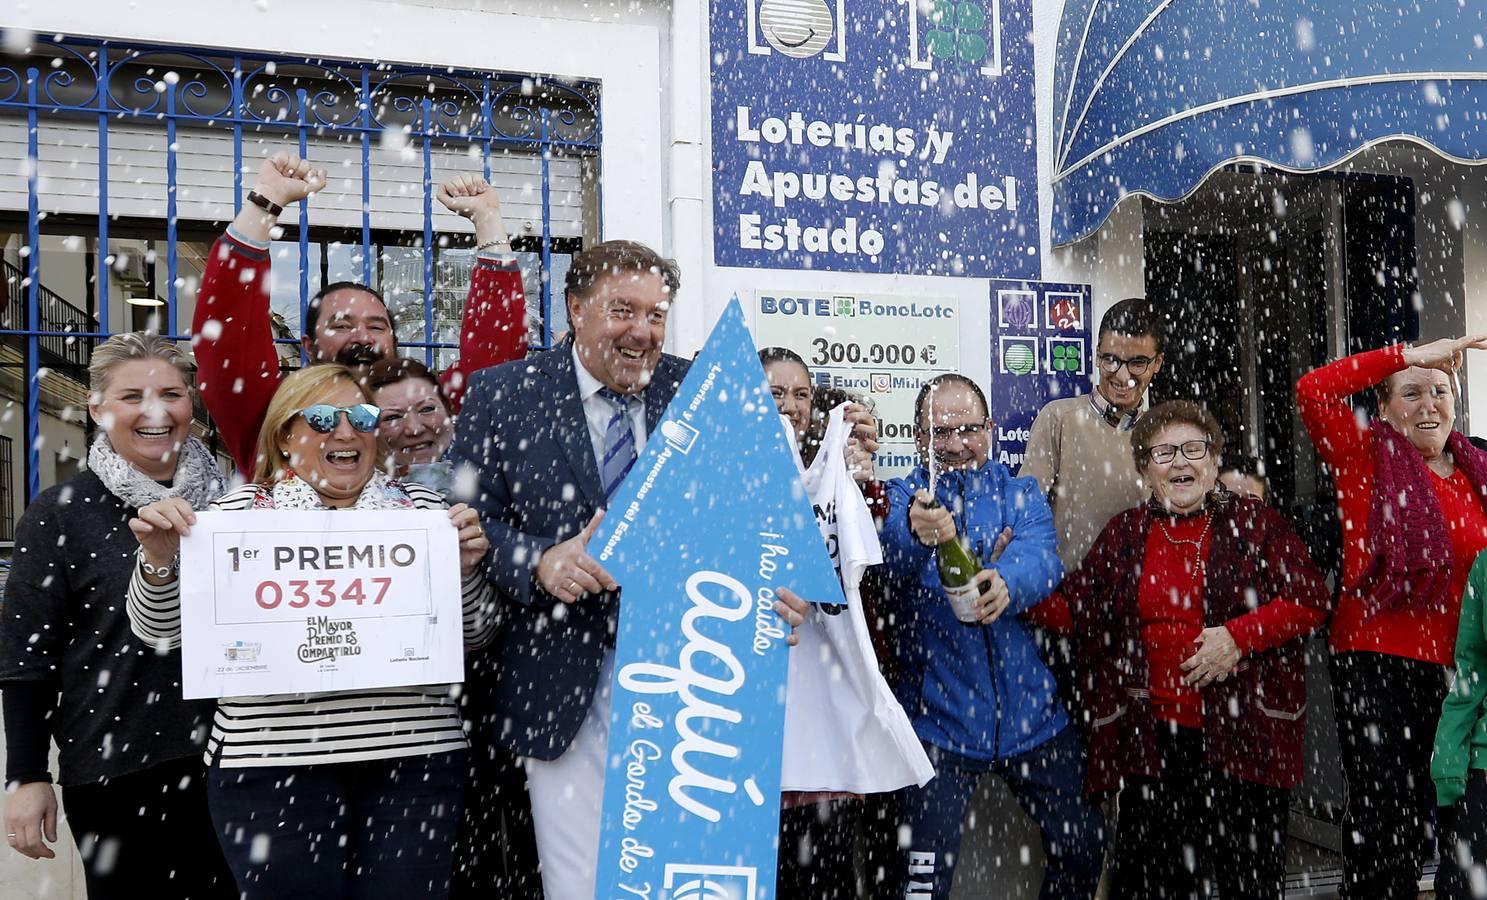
x: 127, y: 347
x: 304, y: 388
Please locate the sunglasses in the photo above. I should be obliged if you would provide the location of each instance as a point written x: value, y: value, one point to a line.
x: 323, y: 417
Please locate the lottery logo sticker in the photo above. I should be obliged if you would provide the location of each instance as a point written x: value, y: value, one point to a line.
x: 1065, y: 356
x: 1018, y: 355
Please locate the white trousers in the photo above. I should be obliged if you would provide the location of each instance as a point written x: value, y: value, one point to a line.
x: 567, y: 800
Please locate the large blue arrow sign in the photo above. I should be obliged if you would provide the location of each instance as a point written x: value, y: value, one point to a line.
x: 711, y: 522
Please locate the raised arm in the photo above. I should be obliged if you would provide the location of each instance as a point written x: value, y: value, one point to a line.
x: 1322, y: 400
x: 231, y: 332
x: 494, y: 327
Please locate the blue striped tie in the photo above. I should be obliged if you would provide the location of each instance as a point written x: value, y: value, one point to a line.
x: 619, y: 443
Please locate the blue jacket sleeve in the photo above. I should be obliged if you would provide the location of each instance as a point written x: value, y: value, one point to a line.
x: 1030, y: 564
x: 903, y: 555
x: 477, y: 446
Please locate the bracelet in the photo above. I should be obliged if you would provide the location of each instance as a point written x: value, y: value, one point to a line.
x: 264, y: 203
x: 166, y: 571
x: 495, y: 243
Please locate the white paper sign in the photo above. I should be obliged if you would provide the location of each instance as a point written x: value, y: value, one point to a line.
x: 877, y: 346
x: 298, y: 601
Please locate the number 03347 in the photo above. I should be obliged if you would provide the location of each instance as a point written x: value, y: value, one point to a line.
x: 323, y: 593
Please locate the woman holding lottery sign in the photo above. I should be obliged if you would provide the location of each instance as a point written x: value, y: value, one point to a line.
x: 325, y: 794
x: 129, y: 746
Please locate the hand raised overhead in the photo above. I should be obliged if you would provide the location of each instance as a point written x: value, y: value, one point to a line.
x: 284, y: 178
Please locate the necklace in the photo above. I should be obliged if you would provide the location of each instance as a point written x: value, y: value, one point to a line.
x: 1196, y: 545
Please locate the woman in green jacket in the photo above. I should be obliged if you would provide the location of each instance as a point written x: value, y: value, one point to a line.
x: 1459, y: 765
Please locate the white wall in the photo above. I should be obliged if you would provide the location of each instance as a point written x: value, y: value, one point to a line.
x: 1473, y: 198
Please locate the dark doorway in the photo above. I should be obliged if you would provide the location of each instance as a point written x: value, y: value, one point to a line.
x: 1265, y: 279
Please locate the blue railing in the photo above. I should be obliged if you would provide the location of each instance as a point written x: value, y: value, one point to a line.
x: 359, y: 101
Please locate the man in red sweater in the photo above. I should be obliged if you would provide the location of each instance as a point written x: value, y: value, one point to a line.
x: 348, y: 323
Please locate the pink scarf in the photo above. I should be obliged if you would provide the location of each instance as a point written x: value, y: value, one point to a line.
x: 1407, y: 532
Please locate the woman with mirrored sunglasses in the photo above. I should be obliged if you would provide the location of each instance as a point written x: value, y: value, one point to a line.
x: 326, y: 794
x: 324, y: 418
x: 1187, y: 618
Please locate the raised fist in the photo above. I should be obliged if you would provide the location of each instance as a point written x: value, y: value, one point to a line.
x: 284, y: 178
x: 471, y: 196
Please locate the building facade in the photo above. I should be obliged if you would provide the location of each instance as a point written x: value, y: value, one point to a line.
x: 133, y: 131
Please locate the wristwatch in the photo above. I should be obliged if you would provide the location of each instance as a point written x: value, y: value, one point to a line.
x: 264, y: 203
x: 166, y: 571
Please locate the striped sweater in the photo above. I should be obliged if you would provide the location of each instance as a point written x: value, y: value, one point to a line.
x: 329, y: 727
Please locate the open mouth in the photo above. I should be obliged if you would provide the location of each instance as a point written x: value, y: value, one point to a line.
x: 1428, y: 426
x: 154, y: 433
x: 632, y: 355
x: 343, y: 459
x: 421, y: 447
x: 1182, y: 480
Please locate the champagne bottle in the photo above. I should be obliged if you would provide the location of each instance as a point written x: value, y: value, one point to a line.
x: 958, y: 567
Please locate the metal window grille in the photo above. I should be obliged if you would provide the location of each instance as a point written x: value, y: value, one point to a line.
x: 241, y: 95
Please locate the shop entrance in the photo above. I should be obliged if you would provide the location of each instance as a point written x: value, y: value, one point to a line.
x: 1264, y: 277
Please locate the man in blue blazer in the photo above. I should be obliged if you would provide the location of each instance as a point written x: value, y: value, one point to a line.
x: 551, y: 438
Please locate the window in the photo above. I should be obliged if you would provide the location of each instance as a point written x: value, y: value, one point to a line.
x: 140, y: 157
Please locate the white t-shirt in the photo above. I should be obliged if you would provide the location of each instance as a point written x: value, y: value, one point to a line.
x: 844, y: 729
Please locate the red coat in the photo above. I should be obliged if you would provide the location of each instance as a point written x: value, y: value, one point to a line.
x: 238, y: 362
x: 1261, y: 582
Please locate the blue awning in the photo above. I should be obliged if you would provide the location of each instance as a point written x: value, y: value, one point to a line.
x: 1151, y: 96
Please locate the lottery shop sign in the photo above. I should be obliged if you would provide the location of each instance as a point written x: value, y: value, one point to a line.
x: 295, y: 601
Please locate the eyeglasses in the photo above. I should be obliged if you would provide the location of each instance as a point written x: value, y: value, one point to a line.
x: 323, y: 417
x: 1165, y: 453
x: 966, y: 432
x: 1110, y: 363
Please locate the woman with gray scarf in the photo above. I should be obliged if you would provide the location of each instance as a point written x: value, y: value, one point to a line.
x: 70, y: 669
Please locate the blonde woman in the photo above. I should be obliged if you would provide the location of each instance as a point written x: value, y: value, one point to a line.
x: 340, y: 794
x: 129, y: 746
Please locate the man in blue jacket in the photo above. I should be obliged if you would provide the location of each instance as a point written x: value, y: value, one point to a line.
x: 978, y: 693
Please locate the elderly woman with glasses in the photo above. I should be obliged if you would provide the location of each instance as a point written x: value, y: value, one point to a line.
x: 326, y: 794
x: 1187, y: 617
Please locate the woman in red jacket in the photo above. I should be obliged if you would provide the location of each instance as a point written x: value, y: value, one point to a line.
x: 1187, y: 615
x: 1410, y: 496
